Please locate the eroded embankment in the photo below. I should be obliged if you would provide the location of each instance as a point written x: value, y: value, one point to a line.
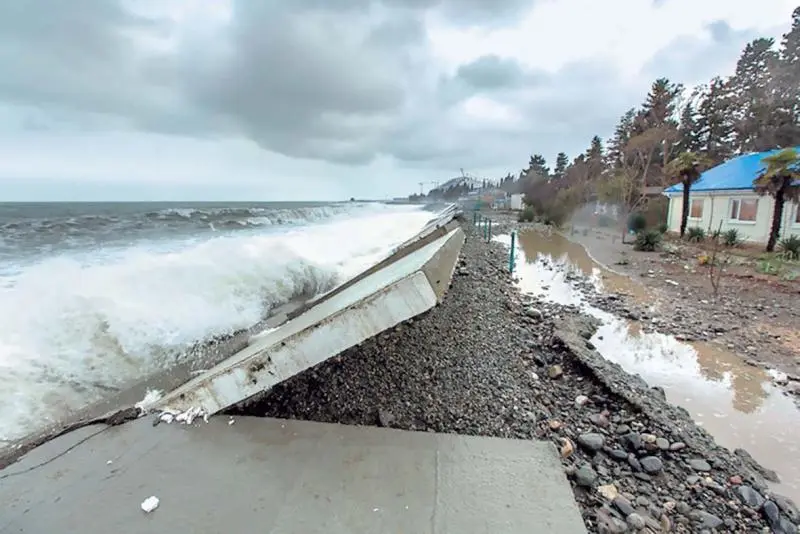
x: 490, y: 361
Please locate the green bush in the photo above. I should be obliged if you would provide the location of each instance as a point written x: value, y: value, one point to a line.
x: 648, y: 241
x: 731, y: 238
x: 527, y: 215
x: 637, y: 222
x: 663, y: 227
x: 695, y: 234
x: 716, y: 235
x: 790, y: 247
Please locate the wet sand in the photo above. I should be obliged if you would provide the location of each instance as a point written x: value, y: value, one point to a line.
x: 734, y: 401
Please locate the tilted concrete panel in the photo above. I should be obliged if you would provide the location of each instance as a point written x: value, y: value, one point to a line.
x: 398, y: 291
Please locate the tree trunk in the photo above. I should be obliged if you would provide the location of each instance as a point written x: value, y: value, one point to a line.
x: 685, y: 213
x: 777, y: 216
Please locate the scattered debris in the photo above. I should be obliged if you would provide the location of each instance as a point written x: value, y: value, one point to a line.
x: 150, y: 504
x: 151, y: 397
x: 185, y: 417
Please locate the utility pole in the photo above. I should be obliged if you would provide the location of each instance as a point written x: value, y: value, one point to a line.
x: 420, y: 187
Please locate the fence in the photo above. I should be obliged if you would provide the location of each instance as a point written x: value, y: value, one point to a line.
x: 484, y: 225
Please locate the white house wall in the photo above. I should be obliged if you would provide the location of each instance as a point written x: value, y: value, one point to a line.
x: 716, y: 209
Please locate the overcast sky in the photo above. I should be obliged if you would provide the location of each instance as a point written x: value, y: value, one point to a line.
x: 328, y: 99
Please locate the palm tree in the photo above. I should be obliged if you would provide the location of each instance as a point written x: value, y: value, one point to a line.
x: 781, y: 180
x: 686, y: 169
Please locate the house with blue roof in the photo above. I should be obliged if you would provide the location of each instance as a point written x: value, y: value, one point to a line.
x: 725, y: 194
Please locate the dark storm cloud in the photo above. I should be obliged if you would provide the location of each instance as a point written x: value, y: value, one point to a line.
x: 334, y: 80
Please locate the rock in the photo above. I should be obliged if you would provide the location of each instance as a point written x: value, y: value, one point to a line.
x: 581, y: 400
x: 592, y: 441
x: 648, y: 438
x: 750, y: 497
x: 608, y: 524
x: 735, y: 480
x: 555, y: 371
x: 622, y: 429
x: 609, y: 491
x: 662, y: 444
x: 623, y: 505
x: 567, y: 448
x: 618, y: 454
x: 535, y: 314
x: 634, y: 462
x: 786, y: 506
x: 635, y: 521
x: 631, y: 441
x: 706, y: 520
x: 698, y: 464
x: 651, y: 465
x: 683, y: 508
x: 385, y: 418
x: 677, y: 446
x: 585, y: 476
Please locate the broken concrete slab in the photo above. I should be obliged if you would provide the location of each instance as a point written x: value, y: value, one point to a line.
x: 412, y: 284
x: 278, y: 476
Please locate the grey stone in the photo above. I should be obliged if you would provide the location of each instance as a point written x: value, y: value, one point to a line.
x: 662, y: 444
x: 623, y: 505
x: 631, y: 441
x: 706, y: 520
x: 618, y: 454
x: 555, y: 371
x: 636, y: 521
x: 677, y: 446
x: 585, y: 476
x: 750, y: 497
x: 698, y: 464
x: 591, y: 441
x: 651, y: 465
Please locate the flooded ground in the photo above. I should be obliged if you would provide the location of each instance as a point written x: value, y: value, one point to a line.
x: 735, y: 402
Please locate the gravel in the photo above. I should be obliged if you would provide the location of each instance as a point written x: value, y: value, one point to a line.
x: 484, y: 363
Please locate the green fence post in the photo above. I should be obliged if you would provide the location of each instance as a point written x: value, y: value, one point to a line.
x: 511, y: 252
x: 489, y: 231
x: 485, y: 226
x: 474, y: 217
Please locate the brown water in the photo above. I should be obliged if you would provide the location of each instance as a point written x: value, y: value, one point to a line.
x: 735, y: 402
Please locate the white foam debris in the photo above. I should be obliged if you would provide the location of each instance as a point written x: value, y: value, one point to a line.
x: 231, y: 421
x: 150, y: 398
x: 198, y: 372
x: 109, y: 462
x: 150, y: 504
x: 186, y: 417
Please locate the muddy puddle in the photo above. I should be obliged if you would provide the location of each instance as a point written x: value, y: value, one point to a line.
x: 735, y: 402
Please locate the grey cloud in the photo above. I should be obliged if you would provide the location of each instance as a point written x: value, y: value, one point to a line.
x: 491, y: 72
x: 334, y: 80
x: 692, y: 59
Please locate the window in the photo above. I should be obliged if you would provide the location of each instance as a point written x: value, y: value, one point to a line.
x: 696, y: 211
x: 744, y: 210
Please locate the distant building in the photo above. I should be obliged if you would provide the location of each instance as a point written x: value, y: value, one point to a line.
x: 725, y: 194
x: 515, y: 203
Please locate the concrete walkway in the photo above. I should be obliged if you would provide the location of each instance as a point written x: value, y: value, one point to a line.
x: 276, y: 476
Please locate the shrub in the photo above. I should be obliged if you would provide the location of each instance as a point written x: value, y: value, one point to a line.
x: 790, y: 246
x: 647, y: 241
x: 637, y: 222
x: 663, y: 227
x: 695, y: 234
x: 605, y: 221
x: 766, y: 267
x: 716, y: 235
x: 731, y: 238
x: 527, y: 215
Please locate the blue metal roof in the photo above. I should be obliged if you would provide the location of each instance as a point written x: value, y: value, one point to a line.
x: 735, y: 174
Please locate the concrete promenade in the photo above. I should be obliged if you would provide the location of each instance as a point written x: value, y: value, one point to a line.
x: 276, y: 476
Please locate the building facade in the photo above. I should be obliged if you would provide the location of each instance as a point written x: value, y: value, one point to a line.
x: 724, y: 198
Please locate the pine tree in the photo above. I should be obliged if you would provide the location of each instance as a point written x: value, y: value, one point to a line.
x: 715, y: 124
x: 660, y: 103
x: 688, y: 130
x: 756, y: 98
x: 789, y: 82
x: 537, y: 166
x: 622, y: 134
x: 561, y: 165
